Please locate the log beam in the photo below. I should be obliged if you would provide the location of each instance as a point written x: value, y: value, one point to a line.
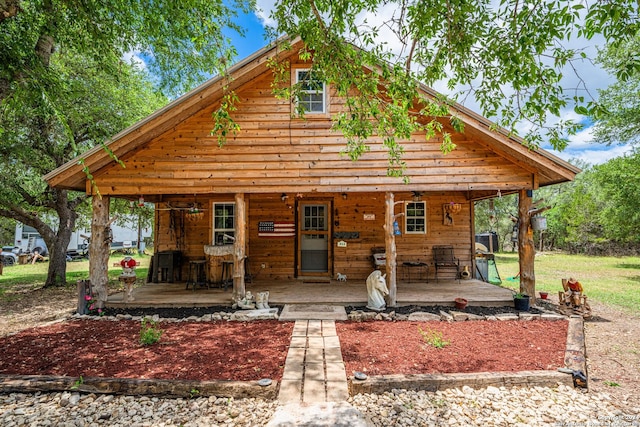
x: 99, y: 248
x: 239, y: 247
x: 390, y: 248
x: 526, y: 249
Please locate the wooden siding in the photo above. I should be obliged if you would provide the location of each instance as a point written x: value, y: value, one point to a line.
x: 274, y: 151
x: 275, y: 258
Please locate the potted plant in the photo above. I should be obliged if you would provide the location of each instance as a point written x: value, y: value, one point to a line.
x: 521, y: 302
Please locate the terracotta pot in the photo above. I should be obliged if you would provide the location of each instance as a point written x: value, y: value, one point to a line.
x: 544, y: 295
x: 460, y: 303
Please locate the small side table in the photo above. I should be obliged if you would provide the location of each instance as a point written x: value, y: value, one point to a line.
x: 419, y: 266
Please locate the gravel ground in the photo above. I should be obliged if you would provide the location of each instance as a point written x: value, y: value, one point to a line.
x: 489, y: 406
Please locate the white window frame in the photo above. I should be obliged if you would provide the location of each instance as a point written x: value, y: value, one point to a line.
x: 310, y: 92
x: 223, y: 230
x: 411, y: 218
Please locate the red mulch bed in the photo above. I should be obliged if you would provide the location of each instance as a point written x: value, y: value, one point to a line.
x: 246, y: 351
x: 241, y: 351
x: 383, y: 348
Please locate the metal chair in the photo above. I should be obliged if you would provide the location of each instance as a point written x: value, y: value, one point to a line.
x: 443, y: 259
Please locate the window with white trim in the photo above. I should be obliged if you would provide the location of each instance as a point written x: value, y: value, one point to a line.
x: 415, y: 215
x: 312, y: 92
x: 224, y: 227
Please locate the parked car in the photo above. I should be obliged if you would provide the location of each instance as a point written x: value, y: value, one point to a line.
x: 9, y: 255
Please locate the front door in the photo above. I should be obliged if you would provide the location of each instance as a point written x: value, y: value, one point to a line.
x: 314, y: 238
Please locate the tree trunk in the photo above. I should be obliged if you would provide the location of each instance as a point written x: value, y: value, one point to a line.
x: 99, y: 249
x: 526, y: 247
x: 239, y: 248
x: 390, y: 248
x: 58, y: 241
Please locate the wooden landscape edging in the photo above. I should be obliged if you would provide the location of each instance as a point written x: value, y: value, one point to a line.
x: 574, y: 359
x: 133, y: 386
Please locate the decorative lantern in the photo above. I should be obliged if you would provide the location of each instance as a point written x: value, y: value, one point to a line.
x: 396, y: 228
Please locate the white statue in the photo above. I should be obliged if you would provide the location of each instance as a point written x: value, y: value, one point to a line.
x: 377, y: 289
x: 262, y: 300
x: 247, y: 303
x: 341, y: 277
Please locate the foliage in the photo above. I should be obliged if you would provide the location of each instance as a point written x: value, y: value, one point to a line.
x: 150, y: 332
x: 75, y: 106
x: 64, y: 88
x: 182, y: 41
x: 92, y: 306
x: 509, y: 56
x: 433, y: 338
x: 620, y: 124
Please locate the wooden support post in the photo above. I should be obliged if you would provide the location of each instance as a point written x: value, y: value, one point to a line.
x: 99, y: 248
x: 526, y: 249
x: 239, y: 248
x: 390, y: 248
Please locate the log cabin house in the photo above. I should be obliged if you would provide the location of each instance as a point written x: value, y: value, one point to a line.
x: 280, y: 195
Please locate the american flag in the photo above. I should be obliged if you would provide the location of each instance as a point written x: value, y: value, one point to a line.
x: 276, y: 229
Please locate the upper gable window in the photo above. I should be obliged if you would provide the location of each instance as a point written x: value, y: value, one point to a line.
x: 312, y: 92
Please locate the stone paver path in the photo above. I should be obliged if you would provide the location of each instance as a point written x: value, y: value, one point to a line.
x: 314, y: 371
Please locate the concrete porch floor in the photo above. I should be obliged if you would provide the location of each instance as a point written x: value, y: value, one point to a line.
x: 354, y: 292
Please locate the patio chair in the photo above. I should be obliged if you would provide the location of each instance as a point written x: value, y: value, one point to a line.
x: 443, y: 259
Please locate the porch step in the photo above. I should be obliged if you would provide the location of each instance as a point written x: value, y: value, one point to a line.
x: 313, y: 312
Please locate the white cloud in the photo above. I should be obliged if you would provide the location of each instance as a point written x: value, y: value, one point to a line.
x: 595, y: 156
x: 264, y: 8
x: 135, y: 59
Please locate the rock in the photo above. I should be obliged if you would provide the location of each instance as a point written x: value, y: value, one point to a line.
x: 506, y: 316
x: 421, y: 316
x: 446, y: 316
x: 459, y: 316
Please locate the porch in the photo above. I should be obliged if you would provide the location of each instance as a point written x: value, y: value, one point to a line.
x: 478, y: 293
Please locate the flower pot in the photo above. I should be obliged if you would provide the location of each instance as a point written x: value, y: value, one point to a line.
x: 521, y: 303
x: 544, y: 295
x: 460, y: 303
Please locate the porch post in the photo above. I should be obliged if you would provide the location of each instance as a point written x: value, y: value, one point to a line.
x: 526, y: 249
x: 239, y: 248
x: 99, y: 248
x: 390, y: 247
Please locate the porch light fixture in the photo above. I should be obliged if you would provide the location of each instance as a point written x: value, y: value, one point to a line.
x: 344, y: 196
x: 141, y: 201
x: 417, y: 196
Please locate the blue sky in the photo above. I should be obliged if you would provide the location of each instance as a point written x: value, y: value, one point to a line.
x: 581, y: 145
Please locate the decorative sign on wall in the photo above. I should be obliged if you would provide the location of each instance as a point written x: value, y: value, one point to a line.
x: 273, y: 229
x: 346, y: 235
x: 369, y: 217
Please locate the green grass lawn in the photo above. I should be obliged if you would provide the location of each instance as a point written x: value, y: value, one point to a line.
x: 30, y: 276
x: 613, y: 281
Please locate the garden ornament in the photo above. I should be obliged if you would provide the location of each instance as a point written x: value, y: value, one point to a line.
x: 376, y: 290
